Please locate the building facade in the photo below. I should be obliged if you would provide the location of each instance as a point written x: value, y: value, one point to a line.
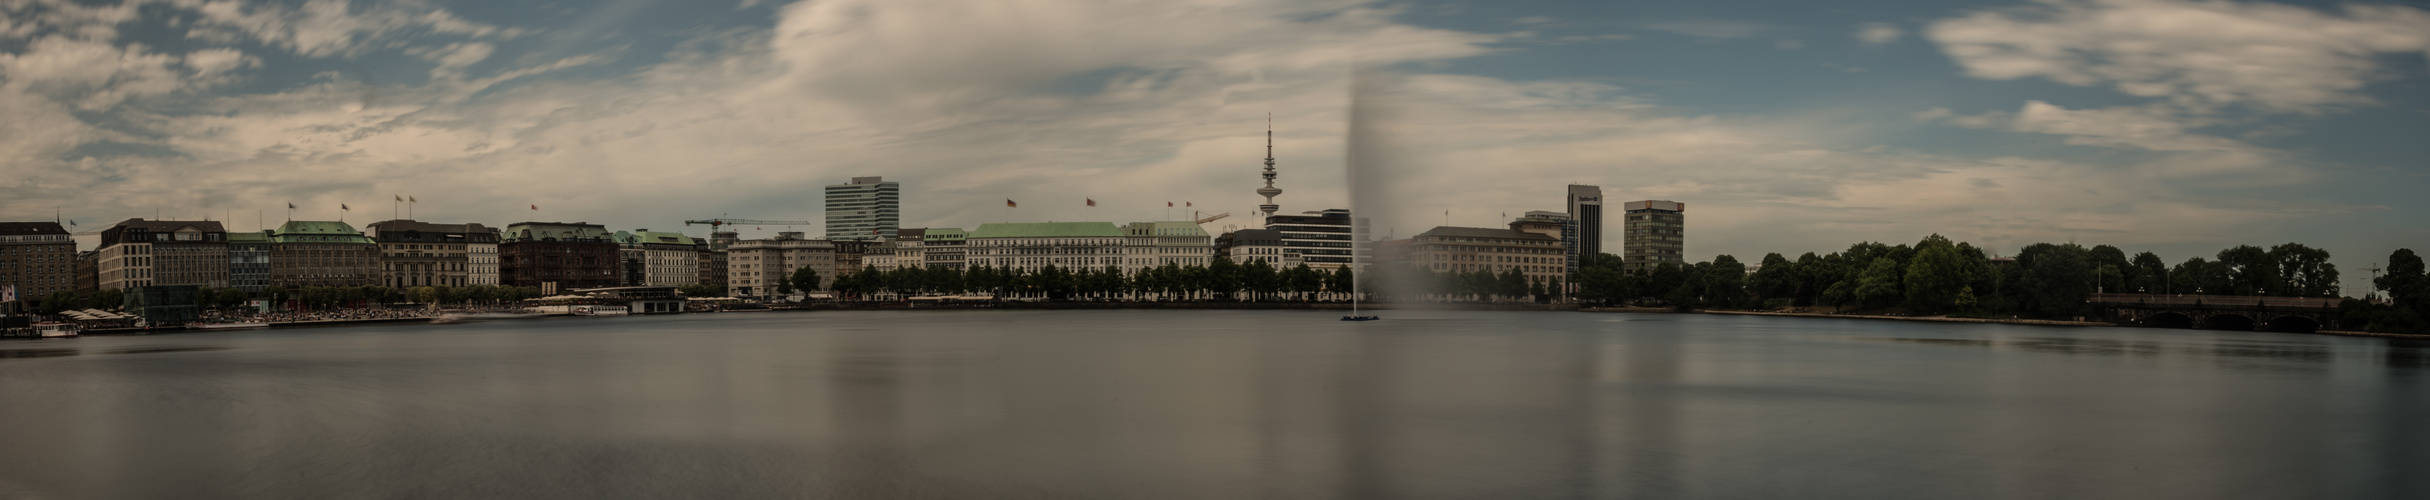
x: 712, y: 267
x: 866, y: 209
x: 1586, y: 207
x: 1149, y: 245
x: 1471, y: 249
x: 322, y: 253
x: 942, y: 247
x: 1558, y: 225
x: 1035, y: 245
x: 754, y: 267
x: 138, y: 252
x: 1247, y: 245
x: 36, y: 260
x: 1322, y: 239
x: 249, y: 260
x: 414, y: 253
x: 657, y: 258
x: 557, y: 256
x: 1655, y: 233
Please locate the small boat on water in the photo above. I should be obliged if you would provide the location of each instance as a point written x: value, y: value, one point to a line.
x: 602, y: 310
x: 1360, y: 318
x: 227, y: 326
x: 55, y: 330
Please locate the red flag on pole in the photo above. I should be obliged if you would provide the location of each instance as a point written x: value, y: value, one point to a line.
x: 1091, y: 201
x: 1168, y: 204
x: 1187, y: 204
x: 535, y: 207
x: 1009, y: 203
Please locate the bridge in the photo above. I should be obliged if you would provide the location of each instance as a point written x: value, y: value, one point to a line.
x: 2219, y: 312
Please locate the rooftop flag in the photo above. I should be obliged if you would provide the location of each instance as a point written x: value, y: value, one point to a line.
x: 535, y: 207
x: 1009, y: 203
x: 1091, y: 201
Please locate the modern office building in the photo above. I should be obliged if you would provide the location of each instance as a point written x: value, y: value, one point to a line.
x: 1322, y: 239
x: 1655, y: 233
x: 415, y: 253
x: 755, y: 267
x: 1556, y: 224
x: 1536, y: 255
x: 866, y: 209
x: 1154, y: 244
x: 1586, y: 207
x: 558, y: 257
x: 942, y: 247
x: 36, y: 260
x: 322, y: 253
x: 249, y: 260
x: 654, y: 258
x: 1035, y: 245
x: 137, y: 252
x: 1247, y: 245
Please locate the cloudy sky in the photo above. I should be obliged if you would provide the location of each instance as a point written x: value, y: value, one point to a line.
x: 2174, y: 126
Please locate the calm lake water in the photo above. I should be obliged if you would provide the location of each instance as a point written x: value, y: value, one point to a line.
x: 1214, y: 404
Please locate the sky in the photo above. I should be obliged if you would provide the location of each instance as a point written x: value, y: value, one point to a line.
x: 2178, y: 127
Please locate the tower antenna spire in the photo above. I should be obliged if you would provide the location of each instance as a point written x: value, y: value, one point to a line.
x: 1269, y: 191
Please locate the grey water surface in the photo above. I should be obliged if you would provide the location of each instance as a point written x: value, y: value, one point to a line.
x: 1214, y: 404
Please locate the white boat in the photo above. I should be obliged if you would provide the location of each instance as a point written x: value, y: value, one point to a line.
x: 55, y: 330
x: 227, y: 326
x: 602, y: 310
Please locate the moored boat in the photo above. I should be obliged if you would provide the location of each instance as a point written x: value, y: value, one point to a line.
x: 55, y: 330
x: 227, y: 326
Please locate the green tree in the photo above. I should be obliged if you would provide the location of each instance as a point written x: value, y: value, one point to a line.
x: 2147, y: 274
x: 2407, y: 284
x: 1879, y: 285
x: 2250, y: 271
x: 2304, y: 271
x: 1935, y: 278
x: 2057, y: 279
x: 805, y: 279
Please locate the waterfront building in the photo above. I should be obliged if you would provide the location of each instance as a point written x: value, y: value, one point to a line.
x: 866, y: 209
x: 137, y: 252
x: 322, y: 253
x: 1471, y: 249
x: 557, y: 256
x: 36, y: 260
x: 1558, y: 225
x: 249, y: 260
x: 1654, y: 233
x: 1147, y: 245
x: 659, y: 259
x: 1246, y: 245
x: 88, y: 271
x: 910, y: 249
x: 415, y: 253
x: 713, y: 266
x: 754, y: 267
x: 1322, y: 239
x: 1586, y: 207
x: 942, y: 247
x: 1035, y: 245
x: 880, y: 255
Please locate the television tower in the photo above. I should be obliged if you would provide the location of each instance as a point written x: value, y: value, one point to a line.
x: 1269, y: 191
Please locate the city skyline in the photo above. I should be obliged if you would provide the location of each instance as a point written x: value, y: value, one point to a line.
x: 1999, y: 123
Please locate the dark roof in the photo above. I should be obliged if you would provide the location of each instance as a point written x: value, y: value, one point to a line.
x: 1261, y: 237
x: 1483, y: 232
x: 172, y: 225
x: 25, y: 228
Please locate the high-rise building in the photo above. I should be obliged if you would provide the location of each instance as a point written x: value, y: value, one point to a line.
x: 1655, y: 233
x: 866, y: 209
x: 139, y: 253
x: 1320, y: 239
x: 36, y: 259
x: 1269, y: 191
x: 1586, y: 207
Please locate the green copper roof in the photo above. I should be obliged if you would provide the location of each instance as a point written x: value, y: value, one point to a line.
x: 317, y: 231
x: 944, y: 234
x: 647, y: 236
x: 1046, y: 229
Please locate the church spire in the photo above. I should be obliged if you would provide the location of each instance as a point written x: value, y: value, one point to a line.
x: 1269, y: 191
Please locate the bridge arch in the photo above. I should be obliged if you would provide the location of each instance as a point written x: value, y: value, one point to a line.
x: 2293, y: 324
x: 2168, y: 320
x: 2228, y: 321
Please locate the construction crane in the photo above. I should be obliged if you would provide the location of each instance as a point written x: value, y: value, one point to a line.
x: 719, y: 222
x: 1213, y: 218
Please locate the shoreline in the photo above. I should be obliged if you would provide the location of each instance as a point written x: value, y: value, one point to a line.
x: 2039, y: 322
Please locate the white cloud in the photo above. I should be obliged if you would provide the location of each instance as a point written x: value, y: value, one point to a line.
x: 323, y: 28
x: 2200, y: 55
x: 1879, y: 33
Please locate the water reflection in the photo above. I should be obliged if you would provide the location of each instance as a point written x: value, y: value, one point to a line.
x: 1218, y: 404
